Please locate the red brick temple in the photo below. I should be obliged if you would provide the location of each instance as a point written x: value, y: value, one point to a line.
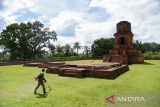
x: 113, y: 65
x: 123, y: 51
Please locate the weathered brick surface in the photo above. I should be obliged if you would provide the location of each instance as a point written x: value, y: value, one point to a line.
x: 103, y: 70
x: 53, y: 70
x: 32, y: 64
x: 123, y: 51
x: 54, y: 63
x: 73, y: 72
x: 111, y: 73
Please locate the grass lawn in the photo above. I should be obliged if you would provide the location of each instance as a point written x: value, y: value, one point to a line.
x: 17, y: 85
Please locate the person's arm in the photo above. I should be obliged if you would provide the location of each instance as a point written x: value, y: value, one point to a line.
x: 44, y: 79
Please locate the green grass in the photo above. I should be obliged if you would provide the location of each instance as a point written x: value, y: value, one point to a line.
x: 17, y: 85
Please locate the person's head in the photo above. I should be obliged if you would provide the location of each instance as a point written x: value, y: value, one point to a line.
x: 43, y: 70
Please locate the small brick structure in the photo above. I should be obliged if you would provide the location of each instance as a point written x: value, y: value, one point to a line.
x: 110, y: 73
x: 42, y: 65
x: 123, y: 52
x: 33, y: 64
x: 54, y: 63
x: 50, y: 64
x: 72, y: 72
x: 52, y: 70
x: 101, y: 70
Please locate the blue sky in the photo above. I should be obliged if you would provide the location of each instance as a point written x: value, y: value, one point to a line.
x: 86, y: 20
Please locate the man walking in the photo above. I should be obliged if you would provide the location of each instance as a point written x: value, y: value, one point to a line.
x: 41, y: 81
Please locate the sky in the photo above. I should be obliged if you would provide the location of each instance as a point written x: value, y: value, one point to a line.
x: 86, y: 20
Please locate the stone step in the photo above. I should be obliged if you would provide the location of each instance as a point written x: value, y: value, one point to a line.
x: 53, y: 70
x: 72, y: 71
x: 111, y: 73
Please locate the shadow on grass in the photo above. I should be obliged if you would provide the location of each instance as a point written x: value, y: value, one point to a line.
x: 44, y: 95
x: 39, y: 95
x: 147, y: 63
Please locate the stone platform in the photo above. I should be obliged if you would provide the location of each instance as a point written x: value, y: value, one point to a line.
x: 102, y: 70
x: 35, y: 64
x: 72, y: 72
x: 50, y: 64
x: 43, y: 64
x: 110, y: 73
x: 52, y: 70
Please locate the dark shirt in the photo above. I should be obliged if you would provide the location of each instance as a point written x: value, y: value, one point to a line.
x: 41, y: 77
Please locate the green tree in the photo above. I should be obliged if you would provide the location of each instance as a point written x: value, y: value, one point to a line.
x: 146, y: 47
x: 87, y: 50
x: 13, y: 39
x: 52, y: 49
x: 40, y: 37
x: 67, y: 50
x: 77, y: 46
x: 59, y: 50
x: 138, y: 45
x: 25, y: 41
x: 101, y: 46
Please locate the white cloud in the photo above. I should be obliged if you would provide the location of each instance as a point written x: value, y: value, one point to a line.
x: 12, y: 6
x: 87, y: 20
x: 57, y: 23
x: 85, y: 31
x: 52, y: 8
x: 61, y: 23
x: 143, y: 14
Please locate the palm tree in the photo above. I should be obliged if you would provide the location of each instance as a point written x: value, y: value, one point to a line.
x: 87, y: 50
x: 77, y: 46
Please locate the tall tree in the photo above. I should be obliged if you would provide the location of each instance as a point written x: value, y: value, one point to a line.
x: 41, y: 37
x: 25, y: 41
x: 87, y: 50
x: 77, y: 46
x: 67, y: 50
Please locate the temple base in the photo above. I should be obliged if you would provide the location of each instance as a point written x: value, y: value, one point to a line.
x: 123, y: 56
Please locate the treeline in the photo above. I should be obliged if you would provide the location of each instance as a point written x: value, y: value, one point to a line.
x: 97, y: 49
x: 146, y: 47
x: 33, y: 40
x: 68, y: 50
x: 148, y: 50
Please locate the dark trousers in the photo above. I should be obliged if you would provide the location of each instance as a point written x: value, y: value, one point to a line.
x: 42, y: 84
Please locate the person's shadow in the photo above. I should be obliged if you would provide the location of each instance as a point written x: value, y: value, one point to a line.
x: 39, y: 95
x: 44, y: 95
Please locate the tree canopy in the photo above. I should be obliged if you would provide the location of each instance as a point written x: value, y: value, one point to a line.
x: 26, y: 40
x: 146, y: 47
x: 101, y: 46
